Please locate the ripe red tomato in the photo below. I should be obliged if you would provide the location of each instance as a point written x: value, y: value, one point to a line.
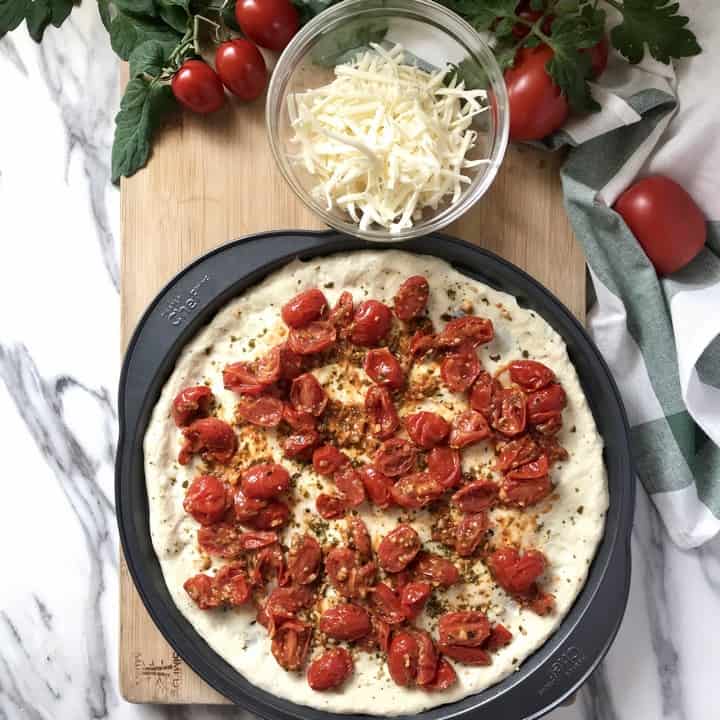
x: 264, y: 481
x: 348, y: 482
x: 313, y: 338
x: 395, y: 457
x: 476, y: 496
x: 300, y: 445
x: 469, y: 533
x: 330, y: 507
x: 214, y: 439
x: 666, y: 221
x: 328, y: 459
x: 445, y: 676
x: 514, y: 572
x: 444, y: 465
x: 398, y: 548
x: 469, y: 628
x: 264, y: 411
x: 385, y: 603
x: 427, y: 657
x: 345, y: 621
x: 523, y: 492
x: 460, y: 367
x: 544, y: 404
x: 466, y: 655
x: 360, y: 538
x: 416, y: 490
x: 330, y: 670
x: 530, y: 374
x: 509, y: 413
x: 412, y: 297
x: 599, y: 56
x: 269, y: 23
x: 206, y: 499
x: 241, y: 68
x: 307, y: 395
x: 427, y: 429
x: 471, y: 328
x: 402, y: 659
x: 436, y: 569
x: 371, y: 323
x: 190, y: 404
x: 500, y: 636
x: 413, y: 597
x: 377, y: 486
x: 383, y: 368
x: 271, y: 517
x: 290, y: 644
x: 341, y: 314
x: 197, y: 86
x: 537, y: 107
x: 305, y: 307
x: 468, y: 428
x: 304, y: 558
x: 382, y: 415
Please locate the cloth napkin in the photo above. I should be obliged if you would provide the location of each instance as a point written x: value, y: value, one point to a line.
x: 660, y: 337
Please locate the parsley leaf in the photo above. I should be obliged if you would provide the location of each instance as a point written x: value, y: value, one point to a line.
x: 654, y: 23
x: 141, y: 110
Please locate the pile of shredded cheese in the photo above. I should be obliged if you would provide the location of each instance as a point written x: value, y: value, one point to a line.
x: 386, y: 139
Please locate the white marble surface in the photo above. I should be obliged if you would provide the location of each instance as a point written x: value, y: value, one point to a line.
x: 59, y: 361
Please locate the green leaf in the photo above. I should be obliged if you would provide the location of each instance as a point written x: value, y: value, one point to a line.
x: 339, y: 45
x: 141, y: 110
x: 105, y: 13
x: 654, y: 23
x: 12, y: 13
x: 127, y: 32
x: 482, y: 14
x: 150, y: 58
x: 228, y: 17
x: 136, y: 7
x: 38, y: 17
x: 175, y: 16
x: 537, y: 4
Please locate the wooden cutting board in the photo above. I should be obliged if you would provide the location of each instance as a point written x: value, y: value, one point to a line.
x: 213, y: 179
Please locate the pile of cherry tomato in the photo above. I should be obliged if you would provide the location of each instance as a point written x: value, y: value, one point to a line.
x: 240, y: 519
x: 239, y: 65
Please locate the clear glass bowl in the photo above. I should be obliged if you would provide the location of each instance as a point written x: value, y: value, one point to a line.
x: 436, y: 37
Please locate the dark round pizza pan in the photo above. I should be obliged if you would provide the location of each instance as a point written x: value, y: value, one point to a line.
x: 191, y: 299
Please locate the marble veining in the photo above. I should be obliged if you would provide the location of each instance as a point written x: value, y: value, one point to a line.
x: 59, y: 342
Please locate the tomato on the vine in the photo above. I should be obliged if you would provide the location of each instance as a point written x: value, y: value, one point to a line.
x: 537, y: 106
x: 241, y: 68
x: 269, y: 23
x: 197, y: 86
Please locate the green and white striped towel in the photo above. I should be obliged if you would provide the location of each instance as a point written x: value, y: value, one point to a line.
x: 661, y: 338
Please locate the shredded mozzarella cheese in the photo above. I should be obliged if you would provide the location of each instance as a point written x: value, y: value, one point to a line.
x: 386, y: 139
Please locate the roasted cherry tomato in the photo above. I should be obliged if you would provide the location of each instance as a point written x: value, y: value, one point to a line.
x: 269, y: 23
x: 476, y: 330
x: 509, y: 412
x: 304, y: 558
x: 444, y: 464
x: 290, y: 644
x: 312, y: 338
x: 514, y: 572
x: 482, y: 393
x: 241, y: 68
x: 416, y: 490
x: 395, y: 457
x: 413, y: 597
x: 267, y: 563
x: 253, y: 540
x: 499, y: 637
x: 535, y: 469
x: 530, y: 374
x: 542, y: 603
x: 307, y: 395
x: 383, y: 368
x: 305, y: 307
x: 427, y: 658
x: 466, y: 655
x: 543, y: 404
x: 359, y: 538
x: 328, y: 459
x: 197, y: 86
x: 264, y: 481
x: 247, y: 509
x: 382, y: 415
x: 371, y: 323
x: 517, y: 452
x: 476, y: 496
x: 345, y: 573
x: 330, y: 507
x: 537, y: 106
x: 412, y: 297
x: 300, y: 445
x: 242, y: 378
x: 200, y: 588
x: 523, y: 492
x: 298, y: 420
x: 469, y: 628
x: 427, y: 429
x: 341, y: 314
x: 265, y: 411
x: 468, y: 428
x: 330, y: 670
x: 232, y: 585
x: 221, y: 539
x: 445, y: 676
x: 421, y: 343
x: 666, y: 221
x: 469, y: 533
x: 191, y: 404
x: 206, y: 499
x: 460, y: 367
x: 348, y: 482
x: 214, y: 439
x: 345, y: 622
x: 377, y: 486
x: 398, y: 548
x: 385, y: 603
x: 402, y: 659
x: 437, y: 570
